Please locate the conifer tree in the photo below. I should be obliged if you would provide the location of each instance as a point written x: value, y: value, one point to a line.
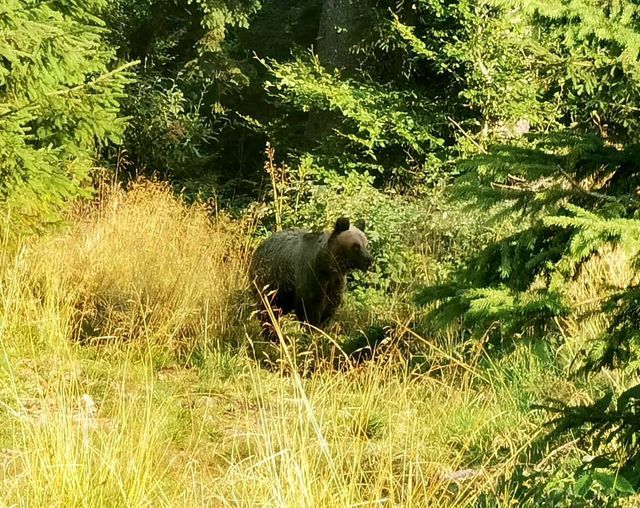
x: 567, y: 189
x: 570, y: 184
x: 59, y: 101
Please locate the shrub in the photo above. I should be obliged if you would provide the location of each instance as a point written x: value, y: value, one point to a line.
x: 165, y: 133
x: 414, y: 239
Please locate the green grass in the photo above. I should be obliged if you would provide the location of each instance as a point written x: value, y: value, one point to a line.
x: 232, y: 433
x: 110, y: 394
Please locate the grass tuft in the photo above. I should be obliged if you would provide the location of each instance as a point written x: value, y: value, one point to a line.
x: 143, y: 264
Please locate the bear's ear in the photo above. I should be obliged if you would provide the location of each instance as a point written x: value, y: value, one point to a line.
x: 360, y: 224
x: 342, y: 224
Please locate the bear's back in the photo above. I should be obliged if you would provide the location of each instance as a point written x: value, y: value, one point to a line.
x: 281, y: 260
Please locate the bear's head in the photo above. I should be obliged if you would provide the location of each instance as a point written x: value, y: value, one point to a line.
x: 350, y: 246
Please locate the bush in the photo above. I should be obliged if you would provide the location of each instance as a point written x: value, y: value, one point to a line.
x: 165, y: 133
x: 414, y: 239
x: 313, y: 197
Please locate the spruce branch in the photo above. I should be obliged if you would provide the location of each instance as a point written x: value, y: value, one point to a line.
x: 69, y: 91
x: 576, y: 185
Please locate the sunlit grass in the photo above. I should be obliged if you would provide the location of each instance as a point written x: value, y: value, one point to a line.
x: 143, y: 264
x: 126, y: 380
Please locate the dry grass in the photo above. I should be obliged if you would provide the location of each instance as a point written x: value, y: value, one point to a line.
x: 141, y: 263
x: 604, y: 274
x: 117, y: 418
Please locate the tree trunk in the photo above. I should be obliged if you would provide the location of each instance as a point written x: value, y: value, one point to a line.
x: 332, y: 48
x: 334, y: 33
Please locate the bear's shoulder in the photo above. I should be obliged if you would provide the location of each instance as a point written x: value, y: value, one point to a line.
x: 314, y: 237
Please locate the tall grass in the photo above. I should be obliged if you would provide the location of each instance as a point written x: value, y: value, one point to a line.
x: 141, y: 263
x: 97, y: 409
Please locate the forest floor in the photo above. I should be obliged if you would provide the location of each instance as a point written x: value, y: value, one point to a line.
x: 111, y: 396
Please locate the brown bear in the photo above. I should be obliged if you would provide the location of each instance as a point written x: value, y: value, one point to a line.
x: 308, y: 271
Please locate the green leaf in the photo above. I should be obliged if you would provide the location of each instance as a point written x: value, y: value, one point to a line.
x: 624, y: 486
x: 582, y: 484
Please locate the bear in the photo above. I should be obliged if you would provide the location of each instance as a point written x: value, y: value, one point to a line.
x: 305, y: 272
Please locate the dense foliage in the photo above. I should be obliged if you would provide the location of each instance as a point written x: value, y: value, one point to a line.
x: 571, y: 187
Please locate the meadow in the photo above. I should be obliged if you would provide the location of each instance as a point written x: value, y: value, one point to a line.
x: 132, y: 374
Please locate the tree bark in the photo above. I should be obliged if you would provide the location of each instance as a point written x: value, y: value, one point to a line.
x: 334, y: 33
x: 332, y: 48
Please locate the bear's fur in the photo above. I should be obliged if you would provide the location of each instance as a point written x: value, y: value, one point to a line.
x: 308, y: 271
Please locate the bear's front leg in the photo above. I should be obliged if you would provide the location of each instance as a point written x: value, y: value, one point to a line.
x: 310, y: 311
x: 334, y: 291
x: 328, y: 314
